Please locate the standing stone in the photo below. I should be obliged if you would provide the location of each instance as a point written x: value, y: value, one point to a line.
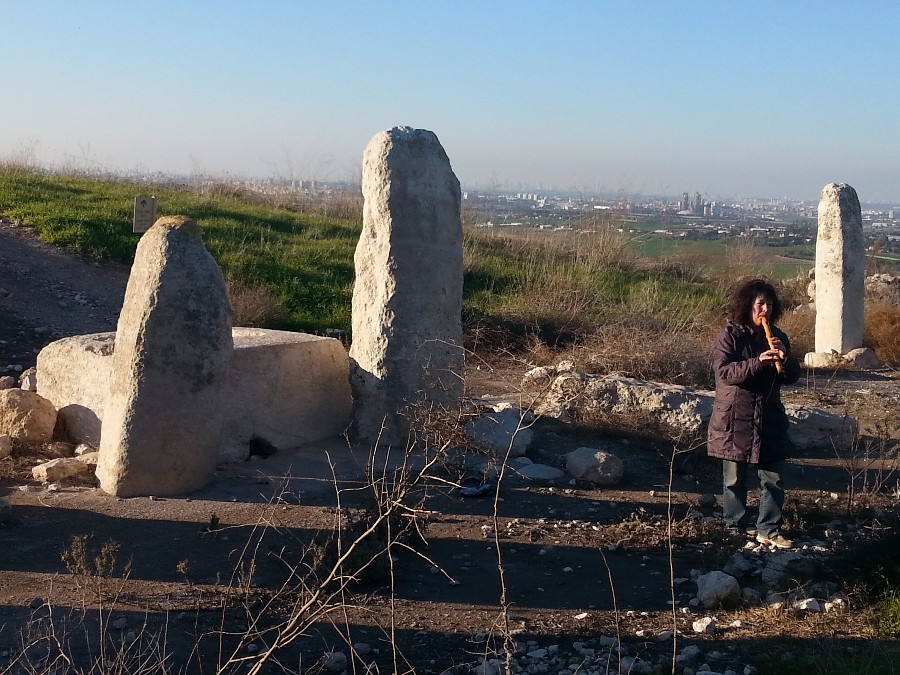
x: 840, y: 272
x: 407, y: 299
x: 162, y: 418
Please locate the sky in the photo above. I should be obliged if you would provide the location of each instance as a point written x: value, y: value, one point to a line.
x: 727, y: 98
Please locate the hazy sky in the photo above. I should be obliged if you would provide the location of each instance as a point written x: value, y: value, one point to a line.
x: 727, y: 97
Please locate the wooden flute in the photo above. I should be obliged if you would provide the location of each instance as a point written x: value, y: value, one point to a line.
x: 765, y: 324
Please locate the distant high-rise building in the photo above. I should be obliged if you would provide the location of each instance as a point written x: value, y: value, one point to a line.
x: 697, y: 204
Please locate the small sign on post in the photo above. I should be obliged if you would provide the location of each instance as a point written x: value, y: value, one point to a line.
x: 144, y: 214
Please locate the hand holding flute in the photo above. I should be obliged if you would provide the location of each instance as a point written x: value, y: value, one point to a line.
x: 773, y: 345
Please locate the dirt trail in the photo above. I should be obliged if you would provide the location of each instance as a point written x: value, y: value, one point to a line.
x: 47, y: 293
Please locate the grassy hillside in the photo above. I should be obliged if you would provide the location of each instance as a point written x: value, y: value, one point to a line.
x: 300, y: 264
x: 290, y: 265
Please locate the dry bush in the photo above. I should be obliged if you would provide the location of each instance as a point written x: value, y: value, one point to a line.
x: 254, y: 306
x: 792, y: 292
x: 801, y: 330
x: 882, y: 332
x: 676, y: 357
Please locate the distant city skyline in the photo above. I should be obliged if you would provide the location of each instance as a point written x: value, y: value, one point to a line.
x: 728, y: 100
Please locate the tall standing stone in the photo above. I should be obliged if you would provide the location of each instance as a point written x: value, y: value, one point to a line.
x: 840, y: 271
x: 163, y: 415
x: 407, y: 298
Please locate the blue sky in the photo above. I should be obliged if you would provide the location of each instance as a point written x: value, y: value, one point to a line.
x: 728, y: 98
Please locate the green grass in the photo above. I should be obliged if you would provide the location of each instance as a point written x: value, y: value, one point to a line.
x: 305, y: 260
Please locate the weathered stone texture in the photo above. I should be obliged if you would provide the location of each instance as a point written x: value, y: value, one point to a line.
x: 407, y: 299
x: 840, y: 271
x: 287, y: 388
x: 163, y: 417
x: 26, y: 416
x: 74, y: 375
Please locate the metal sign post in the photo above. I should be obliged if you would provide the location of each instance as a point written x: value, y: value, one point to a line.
x: 144, y: 214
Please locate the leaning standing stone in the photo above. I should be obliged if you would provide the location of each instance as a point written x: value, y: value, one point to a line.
x: 162, y: 419
x: 840, y: 271
x: 407, y: 298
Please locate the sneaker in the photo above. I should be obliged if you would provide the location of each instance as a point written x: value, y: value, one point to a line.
x: 776, y: 539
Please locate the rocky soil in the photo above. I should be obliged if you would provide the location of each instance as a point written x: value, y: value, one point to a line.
x: 563, y: 576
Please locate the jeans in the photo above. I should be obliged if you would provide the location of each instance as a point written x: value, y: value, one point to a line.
x: 771, y: 495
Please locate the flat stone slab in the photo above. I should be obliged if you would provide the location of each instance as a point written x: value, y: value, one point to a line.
x: 286, y: 388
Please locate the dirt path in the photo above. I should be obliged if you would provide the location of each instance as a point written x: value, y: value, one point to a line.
x: 47, y: 293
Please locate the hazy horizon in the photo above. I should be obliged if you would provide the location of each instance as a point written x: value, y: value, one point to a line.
x: 763, y: 100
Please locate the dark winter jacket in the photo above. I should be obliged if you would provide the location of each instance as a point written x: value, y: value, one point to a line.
x: 748, y: 422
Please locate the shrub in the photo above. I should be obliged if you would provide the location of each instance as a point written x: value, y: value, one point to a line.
x: 882, y: 332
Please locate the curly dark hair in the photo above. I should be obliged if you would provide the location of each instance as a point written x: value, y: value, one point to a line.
x: 740, y: 307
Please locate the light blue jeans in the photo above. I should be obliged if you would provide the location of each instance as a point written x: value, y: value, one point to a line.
x: 771, y: 495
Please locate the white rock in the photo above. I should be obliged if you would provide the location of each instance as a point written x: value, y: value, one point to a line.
x: 28, y: 379
x: 541, y: 376
x: 502, y: 432
x: 60, y: 469
x: 862, y: 358
x: 809, y: 605
x: 683, y: 409
x: 26, y: 416
x: 717, y: 589
x: 541, y: 473
x: 596, y: 466
x: 705, y: 625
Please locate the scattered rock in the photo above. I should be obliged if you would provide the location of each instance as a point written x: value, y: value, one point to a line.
x: 28, y: 379
x: 705, y: 625
x: 595, y: 466
x: 718, y: 589
x: 541, y: 473
x: 57, y: 470
x: 26, y: 416
x: 502, y: 431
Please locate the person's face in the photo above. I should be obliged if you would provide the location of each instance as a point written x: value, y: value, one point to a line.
x: 761, y: 307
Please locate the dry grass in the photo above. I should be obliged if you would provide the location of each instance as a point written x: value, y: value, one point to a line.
x: 254, y: 306
x: 882, y: 332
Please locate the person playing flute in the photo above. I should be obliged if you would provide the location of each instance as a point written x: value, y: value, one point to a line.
x: 749, y: 426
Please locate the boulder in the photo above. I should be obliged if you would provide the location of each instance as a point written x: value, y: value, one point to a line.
x: 287, y: 388
x: 862, y: 358
x: 684, y: 410
x: 5, y: 446
x: 407, y: 348
x: 577, y: 395
x: 718, y: 589
x: 504, y: 431
x: 60, y: 469
x: 596, y: 466
x: 7, y: 382
x: 26, y: 416
x: 28, y: 379
x: 74, y: 374
x: 162, y: 421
